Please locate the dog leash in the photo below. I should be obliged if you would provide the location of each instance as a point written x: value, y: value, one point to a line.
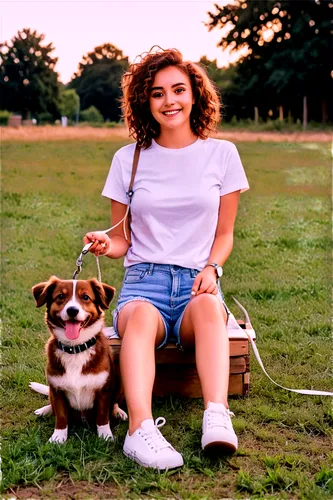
x: 261, y: 364
x: 85, y: 249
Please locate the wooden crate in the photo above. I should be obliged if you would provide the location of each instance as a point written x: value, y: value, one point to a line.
x: 176, y: 372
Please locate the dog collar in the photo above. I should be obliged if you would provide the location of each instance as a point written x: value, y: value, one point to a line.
x: 76, y: 349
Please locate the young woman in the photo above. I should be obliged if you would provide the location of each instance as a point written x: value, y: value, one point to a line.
x: 184, y: 206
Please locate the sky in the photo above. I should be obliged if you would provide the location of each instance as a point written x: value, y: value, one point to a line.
x: 77, y: 27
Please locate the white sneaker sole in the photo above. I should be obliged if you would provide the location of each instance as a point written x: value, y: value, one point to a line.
x: 129, y: 454
x: 225, y: 444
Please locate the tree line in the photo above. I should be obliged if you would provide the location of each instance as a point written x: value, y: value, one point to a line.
x: 285, y: 69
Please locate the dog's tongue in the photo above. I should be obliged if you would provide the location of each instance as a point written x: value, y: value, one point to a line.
x: 72, y: 330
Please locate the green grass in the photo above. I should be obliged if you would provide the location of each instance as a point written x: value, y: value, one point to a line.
x: 280, y: 269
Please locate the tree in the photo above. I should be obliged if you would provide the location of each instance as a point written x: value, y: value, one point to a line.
x: 91, y: 115
x: 28, y: 81
x: 289, y: 48
x: 222, y: 77
x: 97, y: 81
x: 224, y: 81
x: 69, y: 103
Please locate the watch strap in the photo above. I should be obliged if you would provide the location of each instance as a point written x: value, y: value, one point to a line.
x: 216, y: 267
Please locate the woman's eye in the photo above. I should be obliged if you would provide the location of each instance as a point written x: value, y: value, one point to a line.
x: 86, y: 297
x: 157, y: 94
x: 179, y: 91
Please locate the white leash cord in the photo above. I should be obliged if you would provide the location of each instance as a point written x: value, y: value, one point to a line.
x: 298, y: 391
x: 258, y: 358
x: 123, y: 220
x: 85, y: 249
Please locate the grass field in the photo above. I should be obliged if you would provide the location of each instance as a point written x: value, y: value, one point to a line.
x: 280, y: 270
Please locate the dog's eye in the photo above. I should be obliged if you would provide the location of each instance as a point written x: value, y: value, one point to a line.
x: 85, y: 297
x: 61, y: 296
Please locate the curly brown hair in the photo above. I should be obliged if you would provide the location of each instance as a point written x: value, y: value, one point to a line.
x: 137, y: 82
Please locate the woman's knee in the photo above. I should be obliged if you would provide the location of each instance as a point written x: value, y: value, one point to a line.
x: 141, y: 315
x: 205, y: 300
x: 207, y: 304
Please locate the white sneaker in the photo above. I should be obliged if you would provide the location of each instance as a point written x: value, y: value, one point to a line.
x: 217, y: 431
x: 149, y: 448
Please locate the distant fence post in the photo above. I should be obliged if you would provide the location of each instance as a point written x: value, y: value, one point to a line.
x: 256, y: 114
x: 281, y: 113
x: 305, y: 112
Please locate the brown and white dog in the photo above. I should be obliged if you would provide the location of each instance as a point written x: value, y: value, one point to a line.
x: 80, y: 369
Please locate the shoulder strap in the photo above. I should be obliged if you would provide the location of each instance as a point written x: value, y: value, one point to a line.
x: 134, y: 169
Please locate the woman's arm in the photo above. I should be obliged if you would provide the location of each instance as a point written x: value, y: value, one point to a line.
x: 116, y: 245
x: 205, y: 282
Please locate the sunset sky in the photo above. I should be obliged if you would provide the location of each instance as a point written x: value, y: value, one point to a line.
x: 76, y: 27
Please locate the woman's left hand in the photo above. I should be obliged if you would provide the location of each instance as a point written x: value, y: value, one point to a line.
x: 205, y: 282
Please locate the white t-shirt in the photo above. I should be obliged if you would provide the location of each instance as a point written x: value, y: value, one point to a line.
x: 176, y: 198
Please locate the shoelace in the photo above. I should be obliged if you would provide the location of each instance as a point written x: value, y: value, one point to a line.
x: 155, y: 439
x: 219, y: 419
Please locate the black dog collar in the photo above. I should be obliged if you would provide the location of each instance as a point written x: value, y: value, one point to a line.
x: 76, y: 349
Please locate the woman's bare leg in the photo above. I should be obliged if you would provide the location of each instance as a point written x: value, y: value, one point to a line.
x: 204, y: 325
x: 142, y: 329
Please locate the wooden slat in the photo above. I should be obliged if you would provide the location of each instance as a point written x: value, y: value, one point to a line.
x: 238, y: 364
x: 239, y: 347
x: 236, y: 386
x: 181, y: 380
x: 188, y: 385
x: 171, y: 354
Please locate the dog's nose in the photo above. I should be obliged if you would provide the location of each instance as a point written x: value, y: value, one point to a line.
x: 72, y: 311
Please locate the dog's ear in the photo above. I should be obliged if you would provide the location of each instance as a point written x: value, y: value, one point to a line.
x: 42, y: 290
x: 104, y: 292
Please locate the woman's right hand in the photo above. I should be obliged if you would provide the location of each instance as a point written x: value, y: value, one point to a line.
x: 101, y: 243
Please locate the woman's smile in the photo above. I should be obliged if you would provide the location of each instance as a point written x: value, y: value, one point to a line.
x: 172, y: 112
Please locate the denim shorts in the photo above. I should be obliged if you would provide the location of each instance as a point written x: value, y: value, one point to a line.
x: 167, y: 287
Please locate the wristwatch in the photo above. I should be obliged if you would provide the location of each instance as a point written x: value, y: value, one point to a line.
x: 218, y: 269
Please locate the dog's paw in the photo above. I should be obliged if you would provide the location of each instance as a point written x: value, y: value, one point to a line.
x: 119, y: 413
x: 105, y: 432
x: 45, y: 410
x: 59, y: 436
